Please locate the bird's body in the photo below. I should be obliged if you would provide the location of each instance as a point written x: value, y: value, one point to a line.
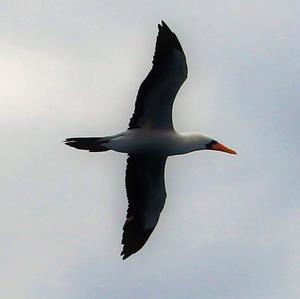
x: 155, y: 141
x: 149, y: 140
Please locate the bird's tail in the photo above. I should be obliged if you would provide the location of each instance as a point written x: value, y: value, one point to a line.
x: 91, y: 144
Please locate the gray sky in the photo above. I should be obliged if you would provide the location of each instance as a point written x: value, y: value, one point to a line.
x: 230, y: 227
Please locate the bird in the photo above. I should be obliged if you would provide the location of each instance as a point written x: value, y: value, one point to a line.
x: 150, y: 139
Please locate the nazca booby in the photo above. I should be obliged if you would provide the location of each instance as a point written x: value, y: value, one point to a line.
x: 149, y: 140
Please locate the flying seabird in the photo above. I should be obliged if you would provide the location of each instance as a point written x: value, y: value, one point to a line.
x: 150, y: 139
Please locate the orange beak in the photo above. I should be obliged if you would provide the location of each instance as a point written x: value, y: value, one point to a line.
x: 222, y: 148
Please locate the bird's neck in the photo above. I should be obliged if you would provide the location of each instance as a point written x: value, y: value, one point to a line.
x: 191, y: 142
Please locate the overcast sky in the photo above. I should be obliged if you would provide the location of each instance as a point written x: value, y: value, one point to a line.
x: 230, y: 227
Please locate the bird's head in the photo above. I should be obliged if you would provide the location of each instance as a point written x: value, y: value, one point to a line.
x: 216, y: 146
x: 208, y: 143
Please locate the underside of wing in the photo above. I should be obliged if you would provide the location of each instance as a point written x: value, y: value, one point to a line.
x: 146, y: 194
x: 154, y: 103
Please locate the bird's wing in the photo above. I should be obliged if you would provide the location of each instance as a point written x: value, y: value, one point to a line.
x: 153, y: 107
x: 146, y: 194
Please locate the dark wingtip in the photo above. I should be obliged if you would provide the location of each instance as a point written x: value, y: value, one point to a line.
x: 124, y: 255
x: 166, y: 41
x: 163, y: 25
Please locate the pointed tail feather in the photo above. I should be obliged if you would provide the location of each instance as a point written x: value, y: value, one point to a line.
x: 92, y: 144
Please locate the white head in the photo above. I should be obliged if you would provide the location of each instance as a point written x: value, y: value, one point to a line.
x: 204, y: 142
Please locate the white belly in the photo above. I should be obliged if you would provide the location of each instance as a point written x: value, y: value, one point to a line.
x: 144, y: 141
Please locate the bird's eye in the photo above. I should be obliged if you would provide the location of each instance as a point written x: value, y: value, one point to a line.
x: 210, y: 144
